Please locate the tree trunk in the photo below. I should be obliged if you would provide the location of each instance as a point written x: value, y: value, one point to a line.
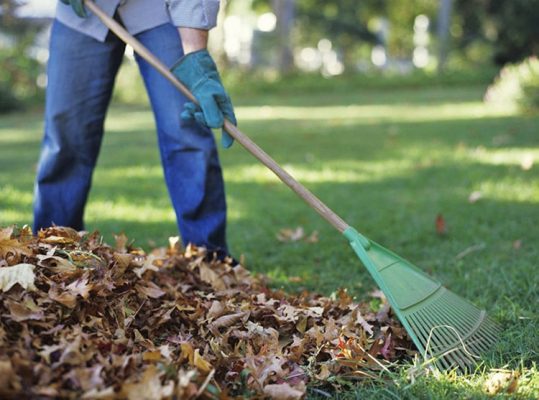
x: 285, y: 12
x: 444, y: 21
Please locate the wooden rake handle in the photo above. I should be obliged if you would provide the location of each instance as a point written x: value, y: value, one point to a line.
x: 240, y: 137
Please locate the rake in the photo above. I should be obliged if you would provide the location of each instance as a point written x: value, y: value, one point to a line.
x: 448, y: 330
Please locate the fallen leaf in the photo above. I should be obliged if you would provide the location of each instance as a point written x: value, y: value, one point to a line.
x: 283, y: 391
x: 97, y: 394
x: 208, y: 275
x: 474, y: 197
x: 64, y: 297
x: 9, y: 381
x: 150, y: 289
x: 21, y: 274
x: 441, y: 228
x: 194, y: 357
x: 324, y: 373
x: 80, y: 287
x: 364, y: 324
x: 24, y: 310
x: 121, y: 243
x: 12, y: 249
x: 147, y: 266
x: 149, y: 387
x: 291, y: 235
x: 501, y: 381
x: 227, y: 320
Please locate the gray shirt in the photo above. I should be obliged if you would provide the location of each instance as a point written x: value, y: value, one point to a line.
x: 140, y: 15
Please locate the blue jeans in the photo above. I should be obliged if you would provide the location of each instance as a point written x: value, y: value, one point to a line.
x: 81, y: 73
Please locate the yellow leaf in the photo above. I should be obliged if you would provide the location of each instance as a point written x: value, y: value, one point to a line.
x: 194, y: 357
x: 151, y: 356
x: 201, y: 363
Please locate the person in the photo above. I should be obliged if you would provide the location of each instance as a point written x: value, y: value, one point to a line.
x: 83, y: 62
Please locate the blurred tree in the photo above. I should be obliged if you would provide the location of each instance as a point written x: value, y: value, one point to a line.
x: 517, y: 26
x: 344, y: 22
x: 444, y: 20
x: 510, y: 27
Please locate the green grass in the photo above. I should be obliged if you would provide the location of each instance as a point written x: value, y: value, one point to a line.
x: 388, y: 161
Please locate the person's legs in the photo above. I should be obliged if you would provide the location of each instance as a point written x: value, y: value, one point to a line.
x: 81, y: 74
x: 188, y: 152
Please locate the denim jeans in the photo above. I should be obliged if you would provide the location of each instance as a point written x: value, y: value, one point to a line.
x: 81, y: 73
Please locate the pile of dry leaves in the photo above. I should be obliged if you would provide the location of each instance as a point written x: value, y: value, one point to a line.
x: 83, y: 319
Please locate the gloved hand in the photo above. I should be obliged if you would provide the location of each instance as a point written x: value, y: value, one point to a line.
x: 78, y: 7
x: 198, y: 73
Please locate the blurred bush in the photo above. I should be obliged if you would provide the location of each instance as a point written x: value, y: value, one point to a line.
x: 517, y: 84
x: 20, y: 69
x: 243, y: 84
x: 18, y: 79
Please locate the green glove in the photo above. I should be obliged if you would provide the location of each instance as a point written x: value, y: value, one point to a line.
x: 78, y: 7
x: 198, y: 73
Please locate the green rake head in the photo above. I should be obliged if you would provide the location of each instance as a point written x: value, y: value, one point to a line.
x: 446, y: 328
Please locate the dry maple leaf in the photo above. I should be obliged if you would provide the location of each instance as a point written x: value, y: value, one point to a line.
x: 12, y: 249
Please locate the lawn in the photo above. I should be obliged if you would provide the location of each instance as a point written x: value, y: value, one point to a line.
x: 388, y: 162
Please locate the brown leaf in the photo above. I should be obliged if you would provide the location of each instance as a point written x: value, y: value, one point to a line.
x: 149, y: 387
x: 290, y: 235
x: 150, y: 289
x: 283, y: 391
x: 64, y: 297
x: 25, y: 310
x: 80, y: 287
x: 12, y: 249
x: 147, y: 266
x: 9, y: 381
x: 121, y: 243
x: 58, y: 264
x: 61, y: 235
x: 209, y: 275
x: 227, y: 320
x: 441, y: 227
x: 364, y: 324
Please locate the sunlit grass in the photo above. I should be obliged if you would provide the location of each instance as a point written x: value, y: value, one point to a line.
x: 376, y: 113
